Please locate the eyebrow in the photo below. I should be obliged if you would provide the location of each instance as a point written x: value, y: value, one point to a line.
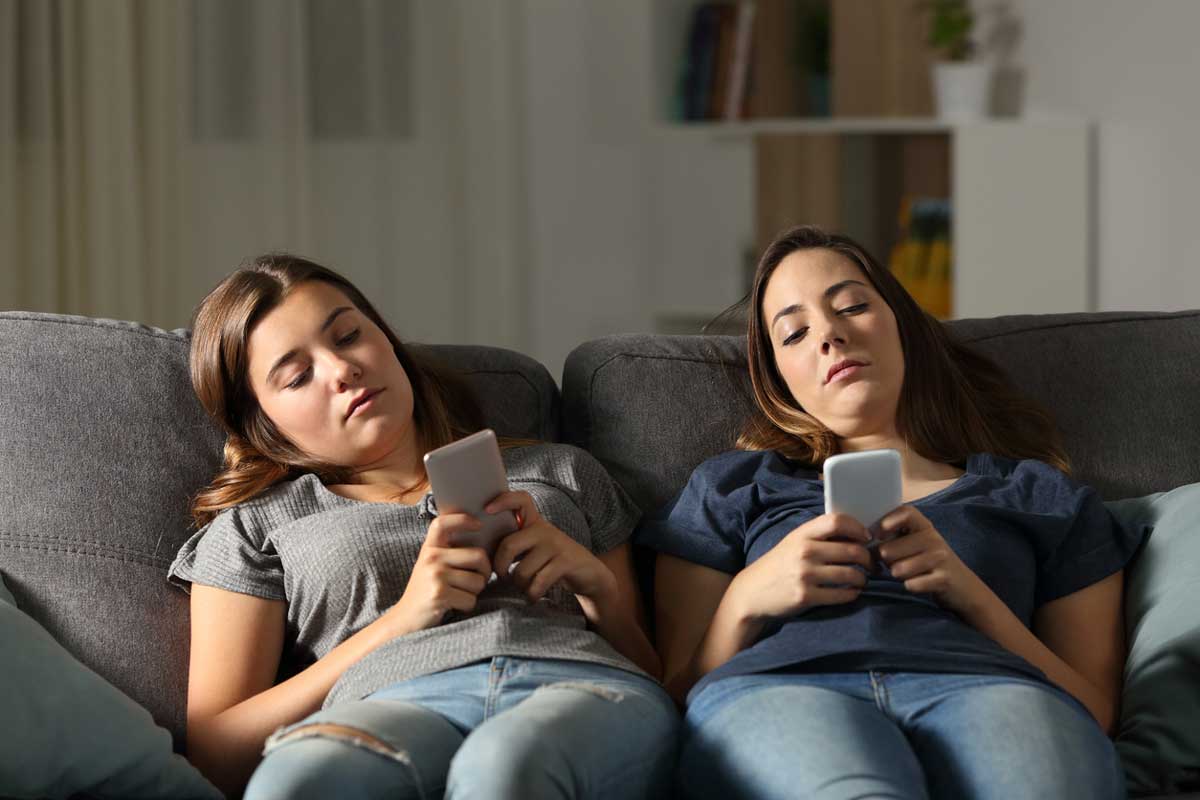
x: 290, y: 354
x: 832, y: 290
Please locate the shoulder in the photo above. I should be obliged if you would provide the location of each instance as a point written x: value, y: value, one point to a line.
x: 1023, y: 470
x: 737, y: 468
x: 1037, y: 485
x: 283, y: 503
x: 558, y: 464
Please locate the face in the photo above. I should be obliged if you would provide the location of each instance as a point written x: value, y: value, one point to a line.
x: 835, y: 342
x: 329, y: 379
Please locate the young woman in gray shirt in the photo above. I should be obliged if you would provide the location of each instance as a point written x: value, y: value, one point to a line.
x: 335, y: 622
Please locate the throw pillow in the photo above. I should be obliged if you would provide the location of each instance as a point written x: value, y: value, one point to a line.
x: 66, y: 730
x: 1159, y: 736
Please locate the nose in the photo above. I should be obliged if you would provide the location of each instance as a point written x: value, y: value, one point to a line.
x: 831, y: 335
x: 342, y: 372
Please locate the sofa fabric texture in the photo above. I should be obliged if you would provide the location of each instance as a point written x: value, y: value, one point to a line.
x: 103, y: 444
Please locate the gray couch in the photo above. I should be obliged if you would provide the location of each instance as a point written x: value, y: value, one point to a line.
x: 102, y: 443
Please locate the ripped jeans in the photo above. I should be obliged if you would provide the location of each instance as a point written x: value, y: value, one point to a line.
x: 504, y: 728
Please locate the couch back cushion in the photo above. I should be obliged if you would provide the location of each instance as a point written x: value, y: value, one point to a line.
x: 102, y: 443
x: 1124, y: 389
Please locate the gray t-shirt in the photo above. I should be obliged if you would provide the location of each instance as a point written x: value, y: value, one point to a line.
x: 339, y: 563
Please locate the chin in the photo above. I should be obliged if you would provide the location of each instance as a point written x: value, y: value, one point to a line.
x: 855, y: 423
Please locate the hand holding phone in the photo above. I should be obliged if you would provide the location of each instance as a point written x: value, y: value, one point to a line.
x: 865, y: 485
x: 465, y: 476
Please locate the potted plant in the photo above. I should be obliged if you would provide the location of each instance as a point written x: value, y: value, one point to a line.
x: 962, y: 83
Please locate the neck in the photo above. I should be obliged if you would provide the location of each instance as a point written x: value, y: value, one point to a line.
x: 914, y: 467
x: 400, y: 470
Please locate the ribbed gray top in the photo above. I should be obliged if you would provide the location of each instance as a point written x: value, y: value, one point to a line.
x: 340, y: 563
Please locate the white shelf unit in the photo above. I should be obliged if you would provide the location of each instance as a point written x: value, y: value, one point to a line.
x: 1021, y: 200
x: 1021, y: 192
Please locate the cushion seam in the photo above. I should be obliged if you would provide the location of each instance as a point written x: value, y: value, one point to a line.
x: 1081, y: 324
x: 174, y: 337
x: 17, y: 537
x: 6, y: 543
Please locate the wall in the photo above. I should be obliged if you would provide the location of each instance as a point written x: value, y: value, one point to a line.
x: 625, y: 222
x: 1132, y: 67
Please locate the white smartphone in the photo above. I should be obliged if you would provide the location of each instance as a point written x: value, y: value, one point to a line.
x: 866, y: 485
x: 465, y: 476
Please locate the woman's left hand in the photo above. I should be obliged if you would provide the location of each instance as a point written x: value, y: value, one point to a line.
x: 916, y: 554
x: 544, y: 555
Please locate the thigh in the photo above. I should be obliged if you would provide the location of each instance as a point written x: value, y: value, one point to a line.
x: 587, y: 732
x: 988, y: 737
x: 457, y: 694
x: 364, y: 749
x: 791, y: 738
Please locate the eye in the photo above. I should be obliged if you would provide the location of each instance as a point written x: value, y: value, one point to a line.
x: 349, y: 338
x: 794, y: 336
x: 853, y: 309
x: 299, y: 380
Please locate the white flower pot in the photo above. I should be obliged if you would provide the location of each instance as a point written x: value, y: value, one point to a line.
x: 962, y: 89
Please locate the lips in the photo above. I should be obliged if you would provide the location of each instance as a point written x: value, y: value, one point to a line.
x: 841, y: 365
x: 363, y: 396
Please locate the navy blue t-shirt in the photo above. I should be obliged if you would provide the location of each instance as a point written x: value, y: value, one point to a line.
x: 1030, y: 532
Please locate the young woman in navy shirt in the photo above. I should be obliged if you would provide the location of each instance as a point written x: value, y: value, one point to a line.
x: 978, y: 654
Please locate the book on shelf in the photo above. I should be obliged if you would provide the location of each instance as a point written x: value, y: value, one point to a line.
x: 716, y: 59
x: 753, y: 58
x: 739, y: 69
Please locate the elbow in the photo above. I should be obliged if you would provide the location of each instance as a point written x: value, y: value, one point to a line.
x: 678, y: 683
x: 1105, y: 708
x: 200, y: 752
x: 206, y: 754
x: 1109, y: 716
x: 652, y: 664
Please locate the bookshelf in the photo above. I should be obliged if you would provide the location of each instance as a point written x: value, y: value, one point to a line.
x: 1018, y: 190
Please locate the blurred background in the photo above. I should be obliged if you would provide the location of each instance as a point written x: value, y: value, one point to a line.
x: 535, y: 173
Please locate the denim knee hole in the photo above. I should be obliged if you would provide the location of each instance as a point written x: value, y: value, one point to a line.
x: 603, y: 692
x: 338, y: 733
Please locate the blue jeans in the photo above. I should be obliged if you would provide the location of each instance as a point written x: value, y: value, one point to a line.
x: 505, y: 728
x: 893, y: 735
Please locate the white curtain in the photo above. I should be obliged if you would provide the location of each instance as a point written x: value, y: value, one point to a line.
x: 148, y: 146
x: 81, y: 207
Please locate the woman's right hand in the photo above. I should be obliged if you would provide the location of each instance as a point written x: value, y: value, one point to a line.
x: 445, y: 578
x: 814, y: 565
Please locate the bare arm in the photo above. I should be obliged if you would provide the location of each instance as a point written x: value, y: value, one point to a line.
x: 620, y: 618
x: 697, y: 631
x: 237, y: 643
x: 1078, y: 641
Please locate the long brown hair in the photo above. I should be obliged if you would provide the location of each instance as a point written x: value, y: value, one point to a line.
x: 954, y: 402
x: 257, y: 455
